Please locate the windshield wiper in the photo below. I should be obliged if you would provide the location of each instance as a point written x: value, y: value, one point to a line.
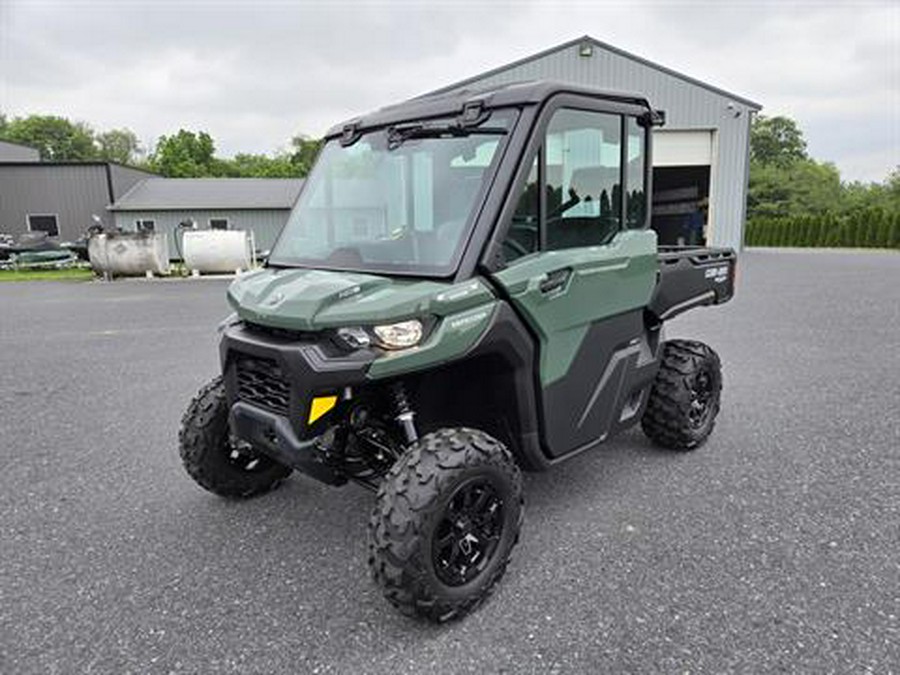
x: 399, y: 134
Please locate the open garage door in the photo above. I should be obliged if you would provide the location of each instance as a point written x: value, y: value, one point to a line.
x: 682, y: 162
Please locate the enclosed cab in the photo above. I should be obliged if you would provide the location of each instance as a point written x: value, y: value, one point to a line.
x: 467, y: 286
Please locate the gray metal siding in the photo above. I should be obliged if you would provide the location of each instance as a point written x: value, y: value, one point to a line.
x: 264, y: 223
x: 73, y: 192
x: 687, y: 106
x: 13, y: 152
x: 124, y: 178
x: 201, y: 194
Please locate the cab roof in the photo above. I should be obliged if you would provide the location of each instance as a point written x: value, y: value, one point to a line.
x: 454, y: 102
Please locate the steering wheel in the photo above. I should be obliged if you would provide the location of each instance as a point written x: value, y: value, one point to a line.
x: 516, y: 247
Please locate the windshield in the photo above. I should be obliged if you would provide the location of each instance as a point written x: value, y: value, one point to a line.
x: 398, y: 200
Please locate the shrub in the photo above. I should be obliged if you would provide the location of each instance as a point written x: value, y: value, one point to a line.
x: 869, y: 228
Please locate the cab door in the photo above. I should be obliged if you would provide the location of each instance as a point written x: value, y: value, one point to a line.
x: 581, y: 267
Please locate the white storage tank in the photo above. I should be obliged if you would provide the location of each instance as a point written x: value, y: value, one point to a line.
x: 129, y: 253
x: 217, y: 250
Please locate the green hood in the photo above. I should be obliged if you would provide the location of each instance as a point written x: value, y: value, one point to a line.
x: 306, y: 299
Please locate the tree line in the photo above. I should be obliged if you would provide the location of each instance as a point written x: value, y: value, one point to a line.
x: 785, y: 181
x: 866, y: 228
x: 185, y: 154
x: 793, y: 200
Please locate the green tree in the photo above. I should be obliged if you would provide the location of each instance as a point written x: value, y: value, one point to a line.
x: 186, y: 155
x: 751, y: 233
x: 814, y: 187
x: 119, y: 145
x: 891, y: 188
x: 785, y: 182
x: 874, y: 219
x: 755, y: 233
x: 803, y: 187
x: 776, y: 141
x: 263, y: 166
x: 767, y: 194
x: 305, y: 151
x: 56, y: 138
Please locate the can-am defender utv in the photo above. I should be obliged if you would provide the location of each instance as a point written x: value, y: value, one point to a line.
x: 466, y: 287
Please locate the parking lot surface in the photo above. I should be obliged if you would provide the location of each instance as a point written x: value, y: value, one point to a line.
x: 774, y: 547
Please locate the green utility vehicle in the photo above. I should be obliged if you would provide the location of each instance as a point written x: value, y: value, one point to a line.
x: 466, y: 288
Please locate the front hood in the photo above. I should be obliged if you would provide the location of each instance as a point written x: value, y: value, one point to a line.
x: 306, y: 299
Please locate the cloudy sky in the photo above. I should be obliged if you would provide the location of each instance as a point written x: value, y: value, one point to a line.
x: 255, y: 73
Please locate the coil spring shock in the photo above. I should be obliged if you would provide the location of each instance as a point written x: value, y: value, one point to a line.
x: 404, y: 414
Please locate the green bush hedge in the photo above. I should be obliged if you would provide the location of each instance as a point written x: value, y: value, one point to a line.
x: 872, y: 228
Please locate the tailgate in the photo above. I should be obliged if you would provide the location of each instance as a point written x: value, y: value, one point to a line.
x: 691, y: 277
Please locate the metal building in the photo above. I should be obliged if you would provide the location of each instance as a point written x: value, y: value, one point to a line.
x: 259, y: 205
x: 60, y: 198
x: 703, y: 151
x: 16, y: 152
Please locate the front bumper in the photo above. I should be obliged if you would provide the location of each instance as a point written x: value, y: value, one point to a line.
x: 271, y: 379
x: 272, y: 435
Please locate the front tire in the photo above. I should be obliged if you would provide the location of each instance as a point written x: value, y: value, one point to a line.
x: 446, y: 518
x: 213, y: 459
x: 685, y: 398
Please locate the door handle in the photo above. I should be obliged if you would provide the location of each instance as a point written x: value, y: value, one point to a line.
x: 555, y: 280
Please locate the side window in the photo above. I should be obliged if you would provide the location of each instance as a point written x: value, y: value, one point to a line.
x: 580, y: 168
x: 583, y: 167
x: 524, y: 231
x: 43, y: 223
x: 635, y: 200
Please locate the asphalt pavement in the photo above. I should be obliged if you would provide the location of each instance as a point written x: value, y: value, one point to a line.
x: 775, y: 547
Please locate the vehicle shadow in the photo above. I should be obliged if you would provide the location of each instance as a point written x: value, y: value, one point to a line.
x: 299, y: 554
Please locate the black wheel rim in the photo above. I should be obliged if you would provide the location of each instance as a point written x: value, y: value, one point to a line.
x: 242, y: 456
x: 468, y: 533
x: 702, y: 399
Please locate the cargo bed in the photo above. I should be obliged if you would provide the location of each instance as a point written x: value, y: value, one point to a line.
x: 692, y: 276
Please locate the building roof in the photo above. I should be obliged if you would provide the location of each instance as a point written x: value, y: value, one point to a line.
x: 172, y: 194
x: 72, y: 162
x: 18, y: 152
x: 587, y: 39
x: 23, y: 145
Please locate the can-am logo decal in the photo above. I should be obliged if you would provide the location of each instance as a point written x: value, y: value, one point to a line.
x: 717, y: 274
x: 456, y: 294
x: 467, y: 321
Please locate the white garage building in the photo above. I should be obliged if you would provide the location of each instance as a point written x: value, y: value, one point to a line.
x: 702, y: 152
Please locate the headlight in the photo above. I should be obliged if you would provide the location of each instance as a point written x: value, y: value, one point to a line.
x: 400, y: 335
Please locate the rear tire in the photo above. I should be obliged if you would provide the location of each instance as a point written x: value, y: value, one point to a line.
x: 685, y: 398
x: 211, y: 457
x: 446, y: 518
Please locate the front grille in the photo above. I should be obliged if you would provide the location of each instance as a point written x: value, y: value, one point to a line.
x: 261, y: 382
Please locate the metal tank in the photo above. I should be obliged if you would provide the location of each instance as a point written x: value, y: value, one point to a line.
x: 129, y: 253
x: 217, y: 251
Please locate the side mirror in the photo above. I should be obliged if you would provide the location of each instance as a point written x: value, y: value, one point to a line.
x: 653, y: 118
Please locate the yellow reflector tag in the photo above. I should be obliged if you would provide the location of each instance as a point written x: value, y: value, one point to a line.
x: 320, y: 406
